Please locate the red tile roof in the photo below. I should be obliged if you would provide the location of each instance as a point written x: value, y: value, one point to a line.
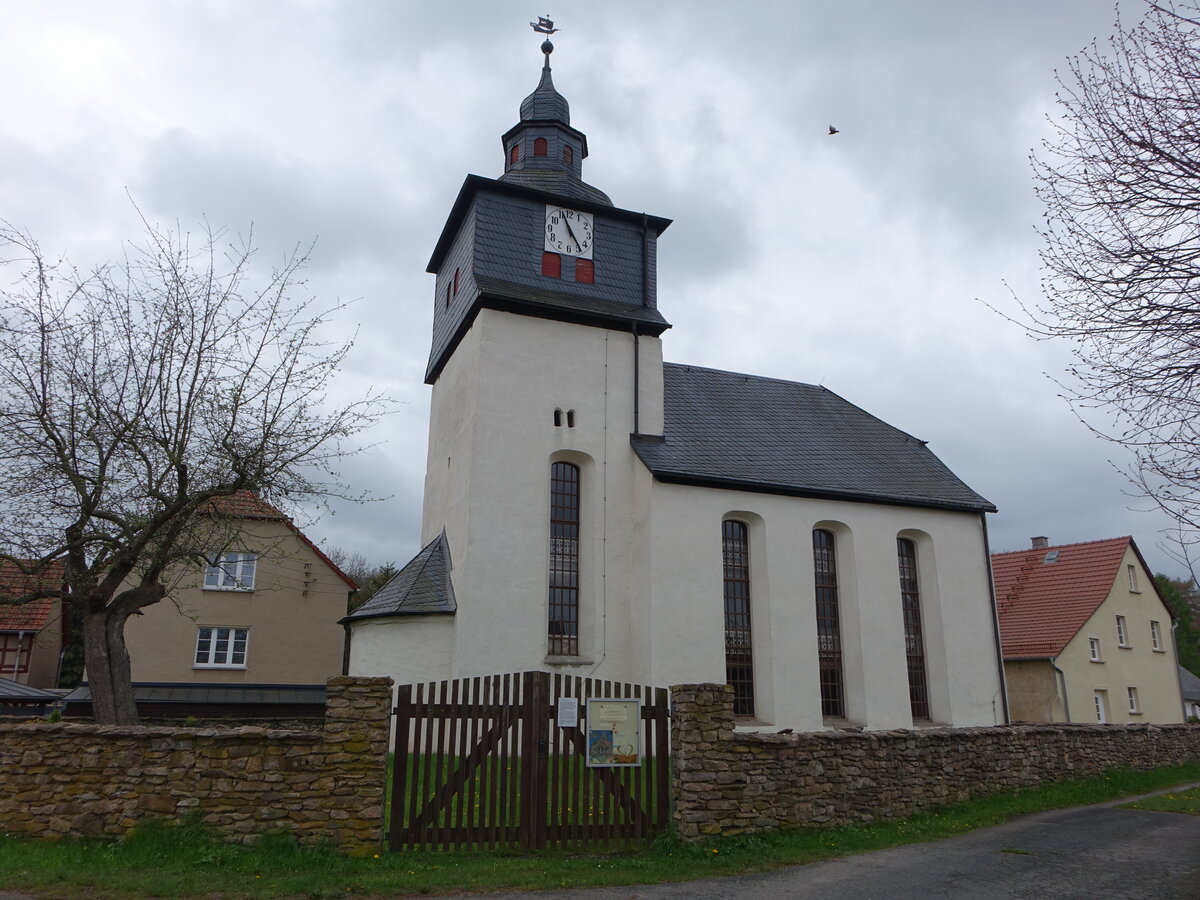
x: 31, y: 616
x: 1044, y: 604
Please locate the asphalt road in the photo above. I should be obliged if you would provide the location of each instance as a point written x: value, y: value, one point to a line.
x: 1093, y: 852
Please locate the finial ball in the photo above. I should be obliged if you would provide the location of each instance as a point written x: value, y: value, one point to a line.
x: 547, y: 47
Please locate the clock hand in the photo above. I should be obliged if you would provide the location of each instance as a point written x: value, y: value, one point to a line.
x: 571, y: 232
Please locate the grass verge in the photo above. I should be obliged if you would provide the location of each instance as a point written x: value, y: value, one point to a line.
x: 188, y: 862
x: 1181, y: 802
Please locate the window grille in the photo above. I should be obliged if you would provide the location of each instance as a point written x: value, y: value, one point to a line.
x: 829, y: 636
x: 230, y: 572
x: 739, y: 649
x: 221, y: 647
x: 914, y: 644
x: 563, y: 631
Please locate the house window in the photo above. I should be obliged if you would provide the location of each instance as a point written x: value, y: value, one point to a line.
x: 739, y: 651
x: 230, y: 572
x: 1134, y: 709
x: 1131, y: 571
x: 563, y: 629
x: 914, y: 645
x: 1122, y: 632
x: 1156, y: 636
x: 539, y: 146
x: 1094, y: 649
x: 568, y: 154
x: 829, y: 635
x: 514, y: 154
x: 221, y: 648
x: 1101, y: 702
x: 14, y: 653
x: 585, y: 271
x: 552, y: 265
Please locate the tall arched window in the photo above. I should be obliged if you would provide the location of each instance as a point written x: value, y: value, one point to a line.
x: 739, y: 651
x: 829, y: 629
x: 563, y: 625
x: 914, y: 643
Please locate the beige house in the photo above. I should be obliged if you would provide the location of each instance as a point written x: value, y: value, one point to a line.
x: 1086, y: 635
x: 264, y: 612
x: 31, y: 634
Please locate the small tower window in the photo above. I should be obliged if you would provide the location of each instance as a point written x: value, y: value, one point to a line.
x: 552, y: 265
x: 585, y: 271
x: 456, y: 271
x: 539, y: 146
x: 558, y: 418
x: 447, y: 295
x: 514, y: 154
x: 570, y: 418
x: 568, y: 154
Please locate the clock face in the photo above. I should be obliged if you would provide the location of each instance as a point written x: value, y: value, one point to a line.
x: 568, y: 232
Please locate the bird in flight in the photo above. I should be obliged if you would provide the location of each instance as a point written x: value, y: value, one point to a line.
x: 832, y: 130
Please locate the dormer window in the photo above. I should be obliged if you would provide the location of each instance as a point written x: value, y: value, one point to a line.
x: 552, y: 265
x: 568, y: 154
x: 514, y: 154
x: 539, y: 146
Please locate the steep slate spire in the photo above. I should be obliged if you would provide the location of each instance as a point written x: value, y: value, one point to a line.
x: 543, y: 151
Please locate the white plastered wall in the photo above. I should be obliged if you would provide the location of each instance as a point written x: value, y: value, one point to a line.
x: 686, y: 631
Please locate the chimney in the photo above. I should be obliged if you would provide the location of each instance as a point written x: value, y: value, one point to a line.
x: 1040, y: 543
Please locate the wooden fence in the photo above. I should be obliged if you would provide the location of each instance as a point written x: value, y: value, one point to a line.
x: 485, y: 763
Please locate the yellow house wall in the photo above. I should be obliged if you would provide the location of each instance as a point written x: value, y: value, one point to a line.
x: 291, y: 616
x: 1033, y: 691
x: 1153, y: 673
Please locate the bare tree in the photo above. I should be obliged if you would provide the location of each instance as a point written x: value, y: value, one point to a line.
x: 134, y: 398
x: 1120, y: 181
x: 368, y: 576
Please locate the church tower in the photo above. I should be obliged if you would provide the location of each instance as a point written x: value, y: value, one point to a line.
x: 545, y: 360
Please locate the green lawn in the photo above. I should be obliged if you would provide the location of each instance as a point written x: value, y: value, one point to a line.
x: 186, y: 862
x: 1181, y: 802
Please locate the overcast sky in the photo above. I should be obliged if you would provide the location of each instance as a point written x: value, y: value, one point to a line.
x: 861, y: 261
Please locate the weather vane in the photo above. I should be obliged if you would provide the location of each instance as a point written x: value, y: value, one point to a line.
x: 543, y: 25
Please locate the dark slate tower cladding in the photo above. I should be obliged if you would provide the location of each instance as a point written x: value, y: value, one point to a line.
x: 540, y: 241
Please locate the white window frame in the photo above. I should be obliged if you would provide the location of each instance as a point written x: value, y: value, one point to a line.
x: 231, y: 571
x: 1122, y: 632
x: 1134, y: 708
x: 1156, y: 636
x: 1133, y: 582
x: 1094, y: 649
x: 217, y: 647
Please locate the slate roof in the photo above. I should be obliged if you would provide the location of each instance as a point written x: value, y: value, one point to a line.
x: 498, y: 293
x: 546, y: 103
x: 562, y: 184
x: 150, y: 692
x: 1189, y: 684
x: 15, y: 692
x: 421, y: 588
x: 726, y: 429
x: 1043, y: 604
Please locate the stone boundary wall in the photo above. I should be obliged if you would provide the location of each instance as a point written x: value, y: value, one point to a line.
x: 103, y: 780
x: 725, y: 782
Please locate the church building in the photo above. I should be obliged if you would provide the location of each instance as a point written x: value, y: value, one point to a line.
x: 592, y: 510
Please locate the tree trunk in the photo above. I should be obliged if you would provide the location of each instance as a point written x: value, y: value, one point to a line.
x: 107, y: 661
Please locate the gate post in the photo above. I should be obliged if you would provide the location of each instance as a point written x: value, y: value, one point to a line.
x: 401, y: 716
x: 535, y: 752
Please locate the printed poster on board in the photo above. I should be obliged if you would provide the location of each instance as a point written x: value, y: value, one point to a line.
x: 614, y: 732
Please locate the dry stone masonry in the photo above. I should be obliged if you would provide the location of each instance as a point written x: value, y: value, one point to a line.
x: 103, y: 780
x: 727, y: 782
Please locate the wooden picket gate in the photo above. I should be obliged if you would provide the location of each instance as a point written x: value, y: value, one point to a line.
x: 482, y: 763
